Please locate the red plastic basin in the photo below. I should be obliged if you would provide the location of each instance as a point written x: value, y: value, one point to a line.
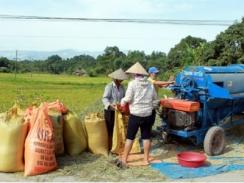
x: 191, y: 159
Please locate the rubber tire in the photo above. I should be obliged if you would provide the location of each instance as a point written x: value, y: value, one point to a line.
x: 211, y: 135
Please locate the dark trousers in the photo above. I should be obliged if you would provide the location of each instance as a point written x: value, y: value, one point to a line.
x: 136, y: 122
x: 109, y: 119
x: 153, y: 116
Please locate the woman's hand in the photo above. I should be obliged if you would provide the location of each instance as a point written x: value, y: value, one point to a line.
x: 112, y: 106
x: 124, y: 109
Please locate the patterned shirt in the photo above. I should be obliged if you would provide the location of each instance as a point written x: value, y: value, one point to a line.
x: 112, y: 94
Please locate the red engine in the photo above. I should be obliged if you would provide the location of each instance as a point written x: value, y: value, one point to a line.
x: 180, y: 114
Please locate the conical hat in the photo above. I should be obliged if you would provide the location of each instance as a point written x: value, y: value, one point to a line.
x: 137, y: 69
x: 118, y: 74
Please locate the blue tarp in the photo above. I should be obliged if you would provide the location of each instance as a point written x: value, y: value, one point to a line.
x: 175, y: 171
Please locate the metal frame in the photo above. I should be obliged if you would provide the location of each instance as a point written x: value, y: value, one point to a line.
x: 217, y: 103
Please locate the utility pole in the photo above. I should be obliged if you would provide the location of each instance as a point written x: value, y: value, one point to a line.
x: 16, y: 59
x: 31, y: 60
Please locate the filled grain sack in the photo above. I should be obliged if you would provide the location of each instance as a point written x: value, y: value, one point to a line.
x: 75, y: 138
x: 119, y: 135
x: 97, y: 133
x: 40, y: 144
x: 58, y: 122
x: 13, y: 131
x: 55, y: 112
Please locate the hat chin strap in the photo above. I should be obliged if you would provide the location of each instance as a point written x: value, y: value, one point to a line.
x: 139, y: 75
x: 117, y: 82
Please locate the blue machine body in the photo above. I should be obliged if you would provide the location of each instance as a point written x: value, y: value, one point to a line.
x: 220, y: 92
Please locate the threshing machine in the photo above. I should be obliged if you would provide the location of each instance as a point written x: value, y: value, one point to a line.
x: 207, y: 101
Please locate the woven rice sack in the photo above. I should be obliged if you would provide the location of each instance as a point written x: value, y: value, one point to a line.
x: 97, y: 134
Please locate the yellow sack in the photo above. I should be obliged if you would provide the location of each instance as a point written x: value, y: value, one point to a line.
x: 119, y: 135
x: 75, y: 138
x: 13, y: 132
x: 57, y: 120
x: 97, y: 134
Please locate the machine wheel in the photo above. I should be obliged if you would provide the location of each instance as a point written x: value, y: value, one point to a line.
x: 214, y: 141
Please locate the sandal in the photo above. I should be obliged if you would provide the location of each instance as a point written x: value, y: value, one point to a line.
x: 114, y: 161
x: 120, y: 164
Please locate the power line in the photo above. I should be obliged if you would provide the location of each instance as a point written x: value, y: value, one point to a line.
x: 77, y: 37
x: 118, y: 20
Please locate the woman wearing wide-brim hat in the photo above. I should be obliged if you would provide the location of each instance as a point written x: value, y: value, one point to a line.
x: 142, y: 98
x: 112, y: 96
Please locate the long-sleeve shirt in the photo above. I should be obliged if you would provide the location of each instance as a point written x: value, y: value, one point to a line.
x: 153, y: 82
x: 141, y: 96
x: 112, y: 94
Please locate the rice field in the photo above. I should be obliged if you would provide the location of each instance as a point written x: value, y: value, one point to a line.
x: 75, y: 92
x: 79, y: 94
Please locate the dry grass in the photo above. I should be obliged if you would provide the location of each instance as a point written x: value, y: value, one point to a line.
x: 89, y: 167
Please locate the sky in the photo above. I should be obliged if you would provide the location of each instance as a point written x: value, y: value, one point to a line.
x: 91, y: 36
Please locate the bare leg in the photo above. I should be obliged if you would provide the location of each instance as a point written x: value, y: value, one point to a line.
x: 146, y: 146
x: 128, y: 146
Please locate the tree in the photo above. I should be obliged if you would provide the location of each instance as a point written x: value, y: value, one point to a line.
x: 133, y: 57
x: 227, y: 48
x: 4, y: 62
x: 157, y: 59
x: 54, y: 64
x: 109, y: 60
x: 197, y: 53
x: 85, y: 62
x: 181, y: 55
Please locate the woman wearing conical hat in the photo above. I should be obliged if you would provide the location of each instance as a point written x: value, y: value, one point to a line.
x: 142, y: 98
x: 112, y: 95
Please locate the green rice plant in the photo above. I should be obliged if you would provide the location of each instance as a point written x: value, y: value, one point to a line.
x: 75, y: 92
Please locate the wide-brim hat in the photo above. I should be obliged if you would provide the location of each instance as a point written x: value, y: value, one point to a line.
x: 137, y: 68
x: 118, y: 74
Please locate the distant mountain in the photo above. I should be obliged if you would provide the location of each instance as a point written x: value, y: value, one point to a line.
x: 42, y: 55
